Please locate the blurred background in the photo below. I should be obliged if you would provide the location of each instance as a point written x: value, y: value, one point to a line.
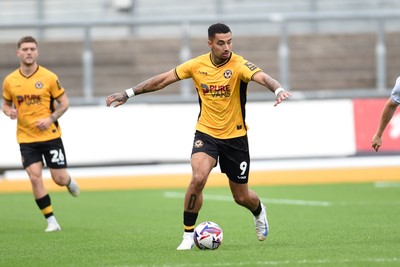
x: 317, y: 48
x: 340, y: 58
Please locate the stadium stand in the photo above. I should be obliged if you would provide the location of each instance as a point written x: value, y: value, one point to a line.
x: 324, y: 55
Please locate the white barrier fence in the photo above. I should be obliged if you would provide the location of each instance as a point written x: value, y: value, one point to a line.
x: 140, y: 133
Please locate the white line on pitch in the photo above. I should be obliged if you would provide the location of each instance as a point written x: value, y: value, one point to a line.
x: 267, y: 200
x: 304, y: 262
x: 387, y: 184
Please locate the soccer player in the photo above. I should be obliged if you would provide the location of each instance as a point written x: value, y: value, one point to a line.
x: 29, y: 96
x: 221, y: 78
x: 387, y: 114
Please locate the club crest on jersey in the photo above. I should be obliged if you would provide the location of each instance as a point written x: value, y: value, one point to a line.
x: 38, y: 85
x: 198, y: 143
x: 228, y: 74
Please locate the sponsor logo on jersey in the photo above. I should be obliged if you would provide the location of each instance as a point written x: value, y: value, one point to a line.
x: 29, y: 99
x: 216, y: 90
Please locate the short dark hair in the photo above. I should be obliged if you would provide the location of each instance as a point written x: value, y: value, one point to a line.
x: 217, y: 28
x: 26, y: 39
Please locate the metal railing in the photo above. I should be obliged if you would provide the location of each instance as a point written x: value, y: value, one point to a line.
x: 184, y: 22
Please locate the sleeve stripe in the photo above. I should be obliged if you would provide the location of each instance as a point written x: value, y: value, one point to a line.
x: 176, y: 75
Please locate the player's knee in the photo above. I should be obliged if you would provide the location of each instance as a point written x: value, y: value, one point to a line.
x: 198, y: 182
x: 240, y: 200
x: 61, y: 180
x: 36, y: 179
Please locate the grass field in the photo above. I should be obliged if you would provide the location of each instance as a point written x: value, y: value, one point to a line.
x: 310, y: 225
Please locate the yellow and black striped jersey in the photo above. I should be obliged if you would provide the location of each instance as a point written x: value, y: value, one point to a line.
x: 34, y: 98
x: 222, y: 91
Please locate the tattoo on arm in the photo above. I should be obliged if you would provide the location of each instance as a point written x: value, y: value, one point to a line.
x: 192, y: 202
x: 272, y: 83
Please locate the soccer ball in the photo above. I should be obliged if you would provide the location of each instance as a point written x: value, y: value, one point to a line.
x: 208, y: 235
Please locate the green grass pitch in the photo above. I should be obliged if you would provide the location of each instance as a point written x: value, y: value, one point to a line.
x: 310, y: 225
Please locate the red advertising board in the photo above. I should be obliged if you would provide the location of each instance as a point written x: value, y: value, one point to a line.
x: 367, y: 113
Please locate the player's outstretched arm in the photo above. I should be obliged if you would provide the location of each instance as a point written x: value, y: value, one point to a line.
x: 387, y: 114
x: 273, y: 85
x: 155, y: 83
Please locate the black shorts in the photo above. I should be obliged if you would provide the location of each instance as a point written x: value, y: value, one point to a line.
x: 52, y: 151
x: 232, y: 154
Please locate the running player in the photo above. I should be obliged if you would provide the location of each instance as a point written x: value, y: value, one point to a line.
x: 221, y: 78
x: 29, y: 93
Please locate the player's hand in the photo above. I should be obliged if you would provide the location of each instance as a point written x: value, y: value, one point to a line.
x: 282, y: 96
x: 44, y: 123
x: 117, y: 99
x: 376, y: 142
x: 13, y: 114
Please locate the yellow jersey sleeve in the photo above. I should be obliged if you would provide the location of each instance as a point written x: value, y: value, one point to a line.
x: 6, y: 91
